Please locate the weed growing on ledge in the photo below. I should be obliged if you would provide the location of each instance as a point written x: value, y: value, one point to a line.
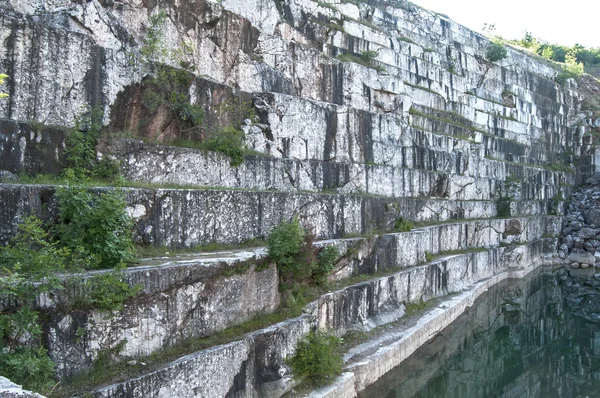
x: 402, y: 225
x: 496, y: 51
x: 317, y: 360
x: 366, y: 58
x: 300, y: 265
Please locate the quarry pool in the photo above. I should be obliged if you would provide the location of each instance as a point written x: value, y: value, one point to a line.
x: 523, y: 338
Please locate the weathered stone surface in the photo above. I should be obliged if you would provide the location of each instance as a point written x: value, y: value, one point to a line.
x: 9, y: 389
x: 430, y: 136
x: 360, y: 307
x: 582, y: 257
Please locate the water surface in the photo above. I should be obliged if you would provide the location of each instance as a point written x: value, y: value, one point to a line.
x: 520, y: 339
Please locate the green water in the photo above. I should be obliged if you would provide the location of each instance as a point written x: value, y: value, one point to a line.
x: 520, y: 339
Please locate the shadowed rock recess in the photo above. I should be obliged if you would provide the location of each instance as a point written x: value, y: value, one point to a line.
x: 359, y: 118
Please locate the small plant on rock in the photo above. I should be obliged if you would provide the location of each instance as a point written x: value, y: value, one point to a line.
x: 298, y: 261
x: 325, y: 264
x: 402, y: 225
x: 496, y: 51
x: 317, y: 360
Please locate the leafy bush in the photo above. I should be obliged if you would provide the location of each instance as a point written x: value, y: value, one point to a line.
x: 229, y: 141
x: 80, y: 150
x: 284, y: 245
x: 170, y: 88
x: 317, y: 359
x: 325, y: 264
x: 503, y: 206
x: 94, y: 232
x: 495, y: 52
x: 153, y: 47
x: 107, y: 291
x: 428, y: 256
x: 401, y: 225
x: 27, y: 266
x: 570, y: 70
x: 369, y: 56
x: 94, y: 226
x: 298, y: 263
x: 557, y: 201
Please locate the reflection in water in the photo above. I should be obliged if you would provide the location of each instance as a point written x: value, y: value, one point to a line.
x: 518, y: 340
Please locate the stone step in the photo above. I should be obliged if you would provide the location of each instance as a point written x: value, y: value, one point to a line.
x: 295, y: 125
x: 197, y: 295
x: 358, y: 307
x: 189, y: 217
x: 160, y: 164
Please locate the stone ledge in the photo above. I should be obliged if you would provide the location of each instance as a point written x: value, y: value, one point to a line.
x: 368, y: 370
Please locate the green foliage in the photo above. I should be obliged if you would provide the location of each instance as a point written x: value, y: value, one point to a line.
x: 152, y: 47
x: 285, y: 242
x: 405, y: 39
x: 95, y: 226
x: 369, y: 56
x: 284, y: 245
x: 28, y: 366
x: 587, y: 56
x: 495, y: 51
x: 229, y: 141
x: 292, y: 249
x: 2, y: 78
x: 170, y: 89
x: 557, y: 200
x: 428, y: 256
x: 366, y: 58
x: 570, y: 70
x: 107, y: 290
x: 402, y: 225
x: 317, y: 360
x: 31, y: 252
x: 27, y: 267
x: 503, y: 206
x: 325, y: 264
x: 80, y: 150
x: 506, y: 195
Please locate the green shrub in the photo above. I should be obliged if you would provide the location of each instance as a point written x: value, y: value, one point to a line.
x: 80, y: 150
x: 317, y: 360
x: 170, y: 88
x: 229, y: 141
x: 557, y: 200
x: 503, y: 206
x: 95, y: 233
x: 28, y: 366
x: 325, y: 264
x: 27, y: 267
x: 298, y: 263
x: 107, y: 291
x: 428, y: 256
x: 31, y: 252
x: 495, y: 51
x: 153, y: 46
x: 570, y: 70
x: 284, y: 245
x: 94, y: 226
x: 401, y: 225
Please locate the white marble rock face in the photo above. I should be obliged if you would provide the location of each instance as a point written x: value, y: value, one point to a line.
x: 429, y: 131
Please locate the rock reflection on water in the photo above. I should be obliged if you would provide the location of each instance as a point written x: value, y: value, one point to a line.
x: 518, y: 340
